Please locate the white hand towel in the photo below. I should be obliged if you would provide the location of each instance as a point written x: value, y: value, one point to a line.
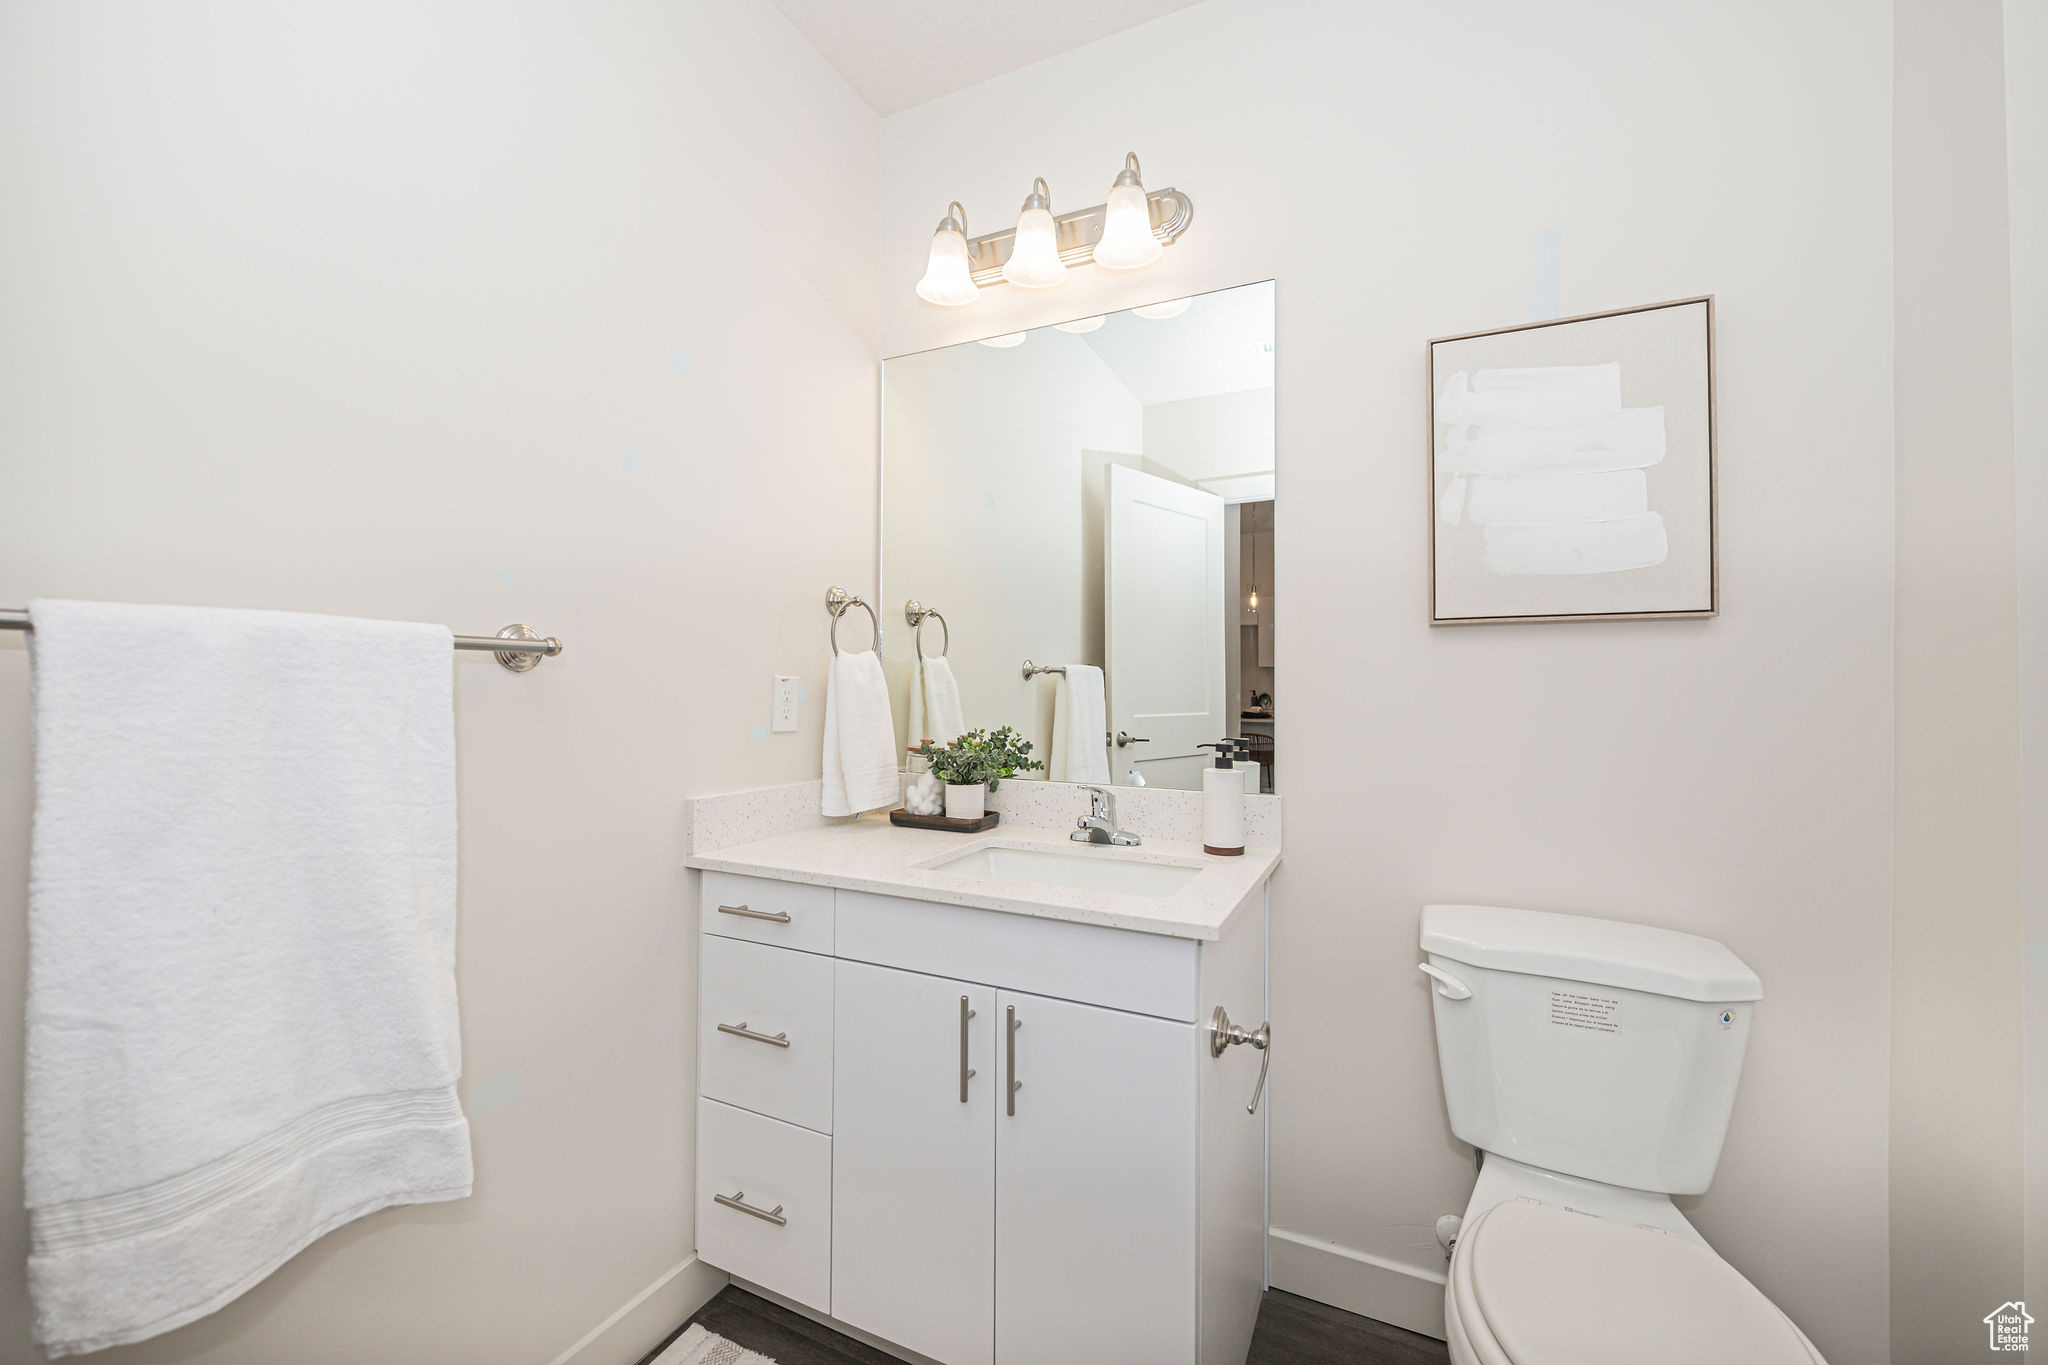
x: 860, y: 736
x: 936, y: 713
x: 1078, y: 754
x: 241, y: 1000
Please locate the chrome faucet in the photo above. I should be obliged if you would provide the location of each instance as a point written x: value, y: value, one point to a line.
x: 1098, y: 826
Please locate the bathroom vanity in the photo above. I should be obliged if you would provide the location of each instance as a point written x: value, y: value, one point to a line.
x: 976, y: 1113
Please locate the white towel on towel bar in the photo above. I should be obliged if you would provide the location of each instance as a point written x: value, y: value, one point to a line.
x: 1078, y: 751
x: 860, y: 736
x: 935, y: 710
x: 241, y: 1007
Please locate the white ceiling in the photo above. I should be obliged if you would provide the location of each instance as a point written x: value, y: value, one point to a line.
x: 897, y: 53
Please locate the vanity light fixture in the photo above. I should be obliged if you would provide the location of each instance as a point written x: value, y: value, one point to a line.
x: 1159, y: 312
x: 1080, y: 326
x: 1036, y: 253
x: 1127, y: 241
x: 1006, y: 340
x: 1253, y: 605
x: 946, y: 279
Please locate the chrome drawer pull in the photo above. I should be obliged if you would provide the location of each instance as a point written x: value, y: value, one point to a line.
x: 740, y: 1030
x: 966, y: 1071
x: 743, y: 912
x: 739, y: 1201
x: 1010, y: 1048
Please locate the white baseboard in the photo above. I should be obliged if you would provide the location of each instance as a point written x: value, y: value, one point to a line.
x: 1358, y: 1281
x: 643, y: 1320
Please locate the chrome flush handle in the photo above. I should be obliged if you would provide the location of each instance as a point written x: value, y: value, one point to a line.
x: 1224, y: 1035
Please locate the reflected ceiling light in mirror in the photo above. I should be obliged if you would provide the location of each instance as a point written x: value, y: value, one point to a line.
x: 1172, y: 308
x: 1080, y: 326
x: 948, y: 280
x: 1035, y: 253
x: 1127, y: 241
x: 1006, y: 340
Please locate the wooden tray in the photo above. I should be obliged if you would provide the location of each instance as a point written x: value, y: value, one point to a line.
x: 900, y: 816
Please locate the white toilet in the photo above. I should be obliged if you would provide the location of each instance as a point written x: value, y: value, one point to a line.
x: 1594, y: 1064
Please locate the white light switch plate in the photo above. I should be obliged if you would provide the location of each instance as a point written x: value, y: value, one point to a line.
x: 782, y: 712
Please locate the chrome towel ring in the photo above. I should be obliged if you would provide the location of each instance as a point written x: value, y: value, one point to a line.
x: 838, y: 601
x: 917, y: 613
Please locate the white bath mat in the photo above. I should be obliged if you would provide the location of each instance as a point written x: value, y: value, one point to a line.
x: 699, y: 1347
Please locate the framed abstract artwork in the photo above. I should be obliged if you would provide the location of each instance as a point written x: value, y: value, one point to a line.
x: 1572, y: 469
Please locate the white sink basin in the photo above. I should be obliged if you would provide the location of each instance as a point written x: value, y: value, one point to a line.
x: 1090, y: 870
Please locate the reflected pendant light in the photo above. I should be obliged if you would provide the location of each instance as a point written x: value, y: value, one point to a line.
x: 1035, y: 253
x: 947, y: 280
x: 1127, y: 241
x: 1082, y: 325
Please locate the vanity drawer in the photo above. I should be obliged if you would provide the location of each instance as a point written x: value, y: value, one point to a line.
x: 787, y: 913
x: 777, y: 1170
x: 782, y: 1065
x: 1122, y: 969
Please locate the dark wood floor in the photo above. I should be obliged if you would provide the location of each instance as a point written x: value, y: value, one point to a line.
x: 1292, y: 1331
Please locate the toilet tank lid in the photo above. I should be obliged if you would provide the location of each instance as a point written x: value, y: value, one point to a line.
x: 1602, y: 952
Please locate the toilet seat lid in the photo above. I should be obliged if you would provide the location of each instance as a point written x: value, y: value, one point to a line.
x: 1563, y: 1288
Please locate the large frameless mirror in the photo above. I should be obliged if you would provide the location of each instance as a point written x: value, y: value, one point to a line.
x: 1094, y: 500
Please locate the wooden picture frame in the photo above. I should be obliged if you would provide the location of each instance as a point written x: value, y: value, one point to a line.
x: 1550, y: 497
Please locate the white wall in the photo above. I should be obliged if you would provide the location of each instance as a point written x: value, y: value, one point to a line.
x: 2026, y: 131
x: 1957, y: 1188
x: 439, y: 312
x: 992, y: 496
x: 1392, y: 166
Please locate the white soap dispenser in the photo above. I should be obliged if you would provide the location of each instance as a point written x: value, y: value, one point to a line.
x: 1222, y: 803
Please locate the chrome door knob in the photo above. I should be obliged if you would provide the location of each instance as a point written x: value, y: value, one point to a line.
x: 1125, y: 740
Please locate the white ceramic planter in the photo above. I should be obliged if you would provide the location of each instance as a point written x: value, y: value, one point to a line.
x: 966, y: 802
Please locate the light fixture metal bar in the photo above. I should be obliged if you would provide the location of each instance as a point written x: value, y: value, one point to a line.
x: 1077, y: 233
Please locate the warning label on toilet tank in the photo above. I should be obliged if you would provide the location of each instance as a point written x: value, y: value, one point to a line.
x: 1596, y: 1012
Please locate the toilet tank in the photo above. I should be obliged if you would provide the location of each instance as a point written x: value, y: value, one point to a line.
x: 1604, y: 1050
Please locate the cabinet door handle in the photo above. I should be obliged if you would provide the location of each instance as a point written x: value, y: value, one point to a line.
x: 740, y: 1030
x: 1010, y: 1047
x: 966, y: 1071
x: 738, y: 1200
x: 775, y: 916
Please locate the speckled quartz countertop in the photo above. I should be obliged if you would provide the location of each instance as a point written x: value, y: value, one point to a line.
x: 870, y: 854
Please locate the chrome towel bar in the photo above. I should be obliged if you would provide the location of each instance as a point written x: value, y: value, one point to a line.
x: 1032, y: 670
x: 518, y: 659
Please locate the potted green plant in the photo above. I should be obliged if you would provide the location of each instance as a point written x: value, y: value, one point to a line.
x: 974, y: 765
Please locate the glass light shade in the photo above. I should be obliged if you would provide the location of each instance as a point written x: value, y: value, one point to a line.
x: 947, y: 280
x: 1035, y: 258
x: 1127, y: 241
x: 1006, y: 340
x: 1081, y: 325
x: 1172, y: 308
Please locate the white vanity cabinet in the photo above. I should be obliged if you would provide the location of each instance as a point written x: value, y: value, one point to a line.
x: 1034, y: 1158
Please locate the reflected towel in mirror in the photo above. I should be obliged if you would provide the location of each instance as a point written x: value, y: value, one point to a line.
x: 935, y: 710
x: 1078, y: 751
